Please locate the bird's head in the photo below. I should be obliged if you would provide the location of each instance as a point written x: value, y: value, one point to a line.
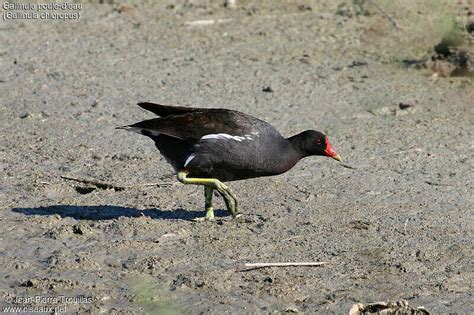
x: 312, y: 142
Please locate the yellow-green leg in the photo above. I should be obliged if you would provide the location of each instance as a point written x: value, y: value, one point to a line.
x: 209, y: 209
x: 209, y: 185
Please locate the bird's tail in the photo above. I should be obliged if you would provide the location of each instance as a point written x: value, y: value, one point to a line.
x: 166, y: 110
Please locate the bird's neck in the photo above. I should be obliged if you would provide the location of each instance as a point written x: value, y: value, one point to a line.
x: 295, y: 142
x: 290, y: 155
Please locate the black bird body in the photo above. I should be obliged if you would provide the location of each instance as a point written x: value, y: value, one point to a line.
x: 211, y: 146
x: 219, y: 143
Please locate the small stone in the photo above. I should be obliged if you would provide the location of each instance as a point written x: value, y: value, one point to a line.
x: 267, y: 89
x: 125, y: 8
x: 305, y: 7
x: 84, y: 191
x: 29, y: 283
x: 291, y: 309
x: 268, y: 280
x: 403, y: 106
x: 78, y: 229
x: 24, y: 115
x: 230, y: 3
x: 470, y: 27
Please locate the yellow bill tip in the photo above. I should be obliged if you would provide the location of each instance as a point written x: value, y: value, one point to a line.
x: 337, y: 157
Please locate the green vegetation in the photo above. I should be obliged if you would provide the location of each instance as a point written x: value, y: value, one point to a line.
x: 423, y: 24
x: 151, y: 298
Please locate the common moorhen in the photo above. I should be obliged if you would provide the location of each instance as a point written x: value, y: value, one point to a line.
x: 210, y: 146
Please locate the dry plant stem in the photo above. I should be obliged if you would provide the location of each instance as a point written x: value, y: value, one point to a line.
x: 105, y: 185
x: 289, y: 264
x: 219, y: 21
x: 394, y: 23
x: 207, y: 22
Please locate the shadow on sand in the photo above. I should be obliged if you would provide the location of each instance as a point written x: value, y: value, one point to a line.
x: 107, y: 212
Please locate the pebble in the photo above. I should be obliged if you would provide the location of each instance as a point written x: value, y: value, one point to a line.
x: 267, y: 89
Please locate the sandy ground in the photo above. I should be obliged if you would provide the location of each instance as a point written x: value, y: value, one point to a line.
x: 398, y: 226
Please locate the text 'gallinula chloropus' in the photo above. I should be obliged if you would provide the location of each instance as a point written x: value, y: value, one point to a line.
x: 211, y: 146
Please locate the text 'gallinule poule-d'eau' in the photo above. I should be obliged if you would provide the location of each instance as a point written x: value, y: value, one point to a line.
x: 210, y: 146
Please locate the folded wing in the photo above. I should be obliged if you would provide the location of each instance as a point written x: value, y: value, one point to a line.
x: 191, y: 124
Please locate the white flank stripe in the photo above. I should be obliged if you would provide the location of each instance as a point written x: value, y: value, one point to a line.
x: 189, y: 159
x: 225, y: 136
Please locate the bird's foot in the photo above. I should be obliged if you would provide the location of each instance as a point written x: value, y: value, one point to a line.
x: 210, y: 184
x: 208, y: 217
x: 229, y: 198
x: 238, y: 217
x: 203, y: 219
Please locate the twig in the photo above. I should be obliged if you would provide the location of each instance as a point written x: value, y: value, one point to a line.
x: 394, y: 23
x: 148, y: 185
x: 289, y: 264
x: 219, y: 21
x: 436, y: 184
x: 96, y: 183
x: 105, y: 185
x: 206, y: 22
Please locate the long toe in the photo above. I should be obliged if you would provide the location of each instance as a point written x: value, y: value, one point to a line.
x: 203, y: 219
x: 208, y: 217
x: 239, y: 218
